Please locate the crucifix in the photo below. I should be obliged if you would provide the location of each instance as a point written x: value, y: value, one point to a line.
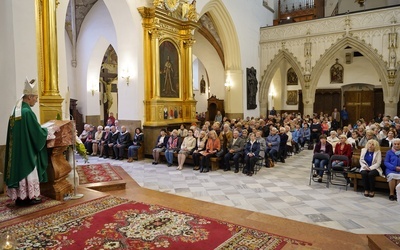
x: 105, y: 79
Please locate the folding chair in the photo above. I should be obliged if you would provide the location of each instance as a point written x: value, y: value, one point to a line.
x: 259, y: 164
x: 314, y: 168
x: 338, y: 171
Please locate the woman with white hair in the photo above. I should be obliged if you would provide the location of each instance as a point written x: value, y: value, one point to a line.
x: 392, y: 163
x: 97, y: 139
x: 333, y: 139
x: 370, y: 162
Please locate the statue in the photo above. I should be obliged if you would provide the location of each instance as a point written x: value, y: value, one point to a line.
x: 392, y: 59
x: 251, y: 88
x: 337, y: 72
x: 202, y: 85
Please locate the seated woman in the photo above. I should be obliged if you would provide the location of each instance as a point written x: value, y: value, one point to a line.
x: 137, y: 142
x: 333, y: 139
x: 187, y: 146
x: 89, y: 140
x: 212, y: 147
x: 304, y: 134
x: 353, y: 140
x: 322, y: 147
x: 370, y: 162
x: 342, y: 148
x: 200, y: 146
x: 388, y: 141
x: 251, y: 153
x: 392, y: 163
x: 182, y: 131
x: 172, y: 147
x: 96, y: 140
x: 160, y: 145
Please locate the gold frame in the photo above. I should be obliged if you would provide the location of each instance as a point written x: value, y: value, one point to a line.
x: 159, y: 26
x: 292, y: 98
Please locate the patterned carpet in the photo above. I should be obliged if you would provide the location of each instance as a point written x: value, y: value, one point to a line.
x: 8, y: 209
x: 94, y: 173
x: 395, y: 238
x: 115, y: 223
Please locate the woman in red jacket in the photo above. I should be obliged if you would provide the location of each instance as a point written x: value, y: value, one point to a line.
x: 342, y: 148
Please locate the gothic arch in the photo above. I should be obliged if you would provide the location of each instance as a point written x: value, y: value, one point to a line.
x: 269, y: 74
x: 362, y: 47
x: 227, y: 32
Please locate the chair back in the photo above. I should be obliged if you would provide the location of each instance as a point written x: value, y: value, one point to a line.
x: 343, y: 158
x: 321, y: 156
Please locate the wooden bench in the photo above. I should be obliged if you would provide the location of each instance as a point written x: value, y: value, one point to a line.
x: 381, y: 182
x: 214, y: 161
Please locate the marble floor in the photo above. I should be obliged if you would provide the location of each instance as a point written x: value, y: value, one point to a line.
x: 282, y: 191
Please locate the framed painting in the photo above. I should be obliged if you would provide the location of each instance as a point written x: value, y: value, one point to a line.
x: 169, y: 70
x: 291, y: 97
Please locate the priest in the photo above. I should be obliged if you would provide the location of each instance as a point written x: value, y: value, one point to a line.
x: 26, y: 153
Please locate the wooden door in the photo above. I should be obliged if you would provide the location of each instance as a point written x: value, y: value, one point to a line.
x: 359, y: 104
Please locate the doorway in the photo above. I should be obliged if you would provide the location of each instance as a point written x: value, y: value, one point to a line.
x: 359, y: 104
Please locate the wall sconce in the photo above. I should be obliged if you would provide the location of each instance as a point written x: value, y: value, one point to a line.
x: 360, y: 2
x: 125, y: 75
x: 93, y: 89
x: 228, y: 85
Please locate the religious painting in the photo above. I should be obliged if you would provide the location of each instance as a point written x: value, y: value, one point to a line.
x: 291, y: 97
x: 292, y: 77
x: 169, y: 70
x: 251, y: 88
x: 337, y: 72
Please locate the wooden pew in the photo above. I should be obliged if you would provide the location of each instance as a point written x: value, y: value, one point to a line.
x: 381, y: 182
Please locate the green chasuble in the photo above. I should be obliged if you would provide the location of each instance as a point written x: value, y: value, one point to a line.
x: 26, y: 148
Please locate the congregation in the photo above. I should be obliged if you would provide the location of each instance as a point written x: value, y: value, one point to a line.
x: 243, y: 143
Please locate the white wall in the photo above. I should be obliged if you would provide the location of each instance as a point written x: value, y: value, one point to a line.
x: 248, y: 34
x: 199, y: 70
x: 208, y: 56
x: 359, y: 71
x: 18, y: 55
x: 351, y: 6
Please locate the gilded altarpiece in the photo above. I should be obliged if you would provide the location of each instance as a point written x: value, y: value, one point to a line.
x: 168, y: 40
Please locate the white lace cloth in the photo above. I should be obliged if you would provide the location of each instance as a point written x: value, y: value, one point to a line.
x: 28, y: 187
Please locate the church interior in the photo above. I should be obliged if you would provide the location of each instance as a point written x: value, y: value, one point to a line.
x: 158, y: 64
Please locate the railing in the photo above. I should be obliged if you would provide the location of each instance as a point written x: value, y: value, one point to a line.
x: 296, y: 5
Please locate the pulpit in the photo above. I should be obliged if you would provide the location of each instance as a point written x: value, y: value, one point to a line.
x: 59, y: 168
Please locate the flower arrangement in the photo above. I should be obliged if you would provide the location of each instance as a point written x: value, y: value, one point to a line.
x: 80, y: 149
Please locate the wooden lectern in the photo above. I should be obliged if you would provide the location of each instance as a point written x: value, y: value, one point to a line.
x: 59, y: 168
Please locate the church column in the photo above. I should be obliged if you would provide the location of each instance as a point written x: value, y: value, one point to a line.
x: 155, y: 63
x: 46, y: 37
x: 308, y: 99
x: 234, y: 93
x: 188, y: 44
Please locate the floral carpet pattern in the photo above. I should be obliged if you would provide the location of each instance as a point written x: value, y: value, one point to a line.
x: 8, y: 209
x: 395, y: 238
x: 94, y: 173
x: 115, y: 223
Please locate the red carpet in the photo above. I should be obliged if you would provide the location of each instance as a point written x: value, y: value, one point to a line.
x: 114, y: 223
x: 8, y: 209
x: 94, y: 173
